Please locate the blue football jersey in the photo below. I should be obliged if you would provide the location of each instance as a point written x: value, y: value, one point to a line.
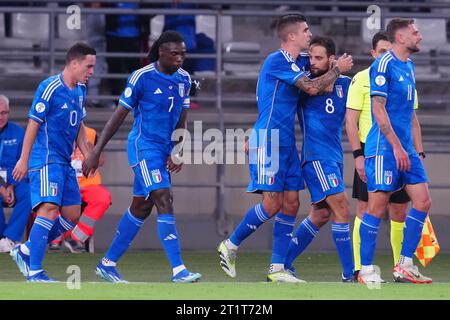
x: 59, y: 111
x: 277, y: 97
x: 393, y: 79
x: 321, y: 119
x: 157, y: 100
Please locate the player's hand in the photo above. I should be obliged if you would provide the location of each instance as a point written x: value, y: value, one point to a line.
x: 401, y: 158
x: 10, y: 196
x: 174, y: 163
x: 20, y: 170
x: 344, y: 63
x: 90, y: 164
x: 246, y: 147
x: 359, y: 166
x: 3, y: 193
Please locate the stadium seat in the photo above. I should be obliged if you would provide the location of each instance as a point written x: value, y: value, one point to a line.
x: 2, y: 25
x: 434, y: 34
x: 34, y: 26
x: 156, y: 28
x: 207, y: 24
x: 247, y: 67
x: 66, y: 37
x: 434, y: 44
x: 27, y: 32
x: 71, y: 34
x: 366, y: 33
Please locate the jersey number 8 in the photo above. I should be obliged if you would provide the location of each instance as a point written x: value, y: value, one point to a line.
x: 329, y: 107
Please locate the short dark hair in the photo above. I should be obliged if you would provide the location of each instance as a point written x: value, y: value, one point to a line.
x: 396, y: 24
x: 288, y: 20
x: 165, y: 37
x: 380, y: 35
x: 325, y: 42
x: 79, y: 51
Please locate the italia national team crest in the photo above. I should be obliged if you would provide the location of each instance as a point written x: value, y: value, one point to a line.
x: 332, y: 178
x: 269, y: 179
x: 156, y: 176
x: 387, y: 177
x: 53, y: 189
x: 339, y: 91
x: 181, y: 89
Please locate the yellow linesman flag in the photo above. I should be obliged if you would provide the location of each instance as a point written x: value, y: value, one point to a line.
x: 428, y: 246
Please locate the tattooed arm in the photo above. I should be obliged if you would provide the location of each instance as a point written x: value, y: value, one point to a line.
x: 318, y: 85
x: 382, y: 118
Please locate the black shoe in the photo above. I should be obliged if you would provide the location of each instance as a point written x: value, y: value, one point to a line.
x: 54, y: 247
x: 352, y: 279
x: 73, y: 245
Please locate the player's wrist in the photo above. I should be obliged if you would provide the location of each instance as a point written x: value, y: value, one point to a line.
x: 96, y: 152
x: 358, y: 153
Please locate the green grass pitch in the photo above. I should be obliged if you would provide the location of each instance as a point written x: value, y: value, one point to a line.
x: 149, y: 274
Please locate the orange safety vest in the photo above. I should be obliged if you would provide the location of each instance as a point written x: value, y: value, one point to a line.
x: 77, y: 160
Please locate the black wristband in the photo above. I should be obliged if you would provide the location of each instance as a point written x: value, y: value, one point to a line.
x: 422, y: 154
x: 357, y: 153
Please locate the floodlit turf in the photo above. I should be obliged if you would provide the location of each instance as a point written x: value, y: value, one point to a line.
x: 150, y: 277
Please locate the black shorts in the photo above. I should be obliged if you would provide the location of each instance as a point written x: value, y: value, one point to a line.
x: 360, y: 190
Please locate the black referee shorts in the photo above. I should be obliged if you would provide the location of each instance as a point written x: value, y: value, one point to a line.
x: 360, y: 190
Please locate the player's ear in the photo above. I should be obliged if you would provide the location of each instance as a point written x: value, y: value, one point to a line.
x: 160, y: 52
x: 331, y: 60
x: 373, y: 53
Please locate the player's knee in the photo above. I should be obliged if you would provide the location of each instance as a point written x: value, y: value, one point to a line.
x: 48, y: 210
x: 141, y: 211
x: 344, y: 213
x: 272, y: 207
x: 342, y: 217
x: 163, y: 201
x: 319, y: 219
x: 423, y: 204
x: 397, y: 212
x: 291, y: 207
x: 376, y: 210
x: 141, y: 208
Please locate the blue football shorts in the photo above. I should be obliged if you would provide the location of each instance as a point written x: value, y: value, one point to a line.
x: 382, y: 173
x: 275, y: 172
x: 55, y: 183
x: 151, y: 174
x: 323, y: 178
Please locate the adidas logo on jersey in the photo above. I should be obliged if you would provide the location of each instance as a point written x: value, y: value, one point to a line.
x: 170, y: 237
x: 157, y: 91
x: 251, y: 226
x: 64, y: 106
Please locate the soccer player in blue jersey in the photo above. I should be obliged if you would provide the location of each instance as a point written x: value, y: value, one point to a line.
x: 274, y: 162
x: 55, y: 123
x: 321, y: 119
x: 391, y: 160
x: 158, y: 94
